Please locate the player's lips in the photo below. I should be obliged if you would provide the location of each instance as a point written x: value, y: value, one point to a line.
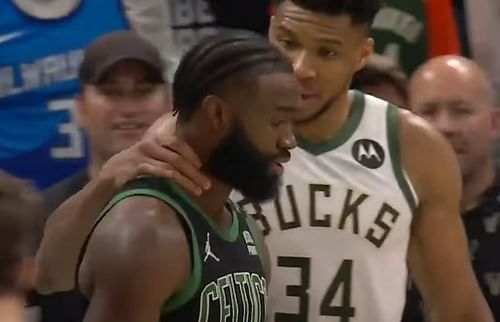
x: 309, y: 96
x: 277, y: 164
x: 277, y: 168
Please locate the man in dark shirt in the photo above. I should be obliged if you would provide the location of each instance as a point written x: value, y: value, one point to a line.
x: 455, y: 95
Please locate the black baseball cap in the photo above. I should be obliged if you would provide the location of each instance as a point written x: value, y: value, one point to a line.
x: 117, y: 46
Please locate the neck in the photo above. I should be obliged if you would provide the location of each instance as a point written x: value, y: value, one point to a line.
x: 11, y: 308
x: 212, y: 201
x: 476, y: 184
x: 329, y: 124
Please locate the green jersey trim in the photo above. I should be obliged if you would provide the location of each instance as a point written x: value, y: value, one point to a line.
x: 395, y: 152
x: 184, y: 295
x: 230, y: 234
x: 350, y: 126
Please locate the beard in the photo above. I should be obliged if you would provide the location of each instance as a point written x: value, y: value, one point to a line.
x: 239, y: 163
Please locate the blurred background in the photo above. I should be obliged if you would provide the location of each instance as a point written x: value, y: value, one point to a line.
x: 41, y: 46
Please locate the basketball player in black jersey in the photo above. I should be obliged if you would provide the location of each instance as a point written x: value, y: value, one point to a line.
x: 159, y: 252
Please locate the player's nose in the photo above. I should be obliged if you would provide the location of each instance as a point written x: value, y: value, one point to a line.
x: 288, y: 142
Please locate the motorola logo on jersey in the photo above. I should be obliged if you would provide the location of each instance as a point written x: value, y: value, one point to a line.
x: 368, y: 153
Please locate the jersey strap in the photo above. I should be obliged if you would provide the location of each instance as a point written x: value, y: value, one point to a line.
x: 393, y: 138
x: 135, y: 189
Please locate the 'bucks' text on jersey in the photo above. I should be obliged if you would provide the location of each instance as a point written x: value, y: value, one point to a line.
x: 338, y: 233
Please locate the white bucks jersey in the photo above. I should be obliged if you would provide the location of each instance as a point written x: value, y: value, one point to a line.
x: 338, y: 233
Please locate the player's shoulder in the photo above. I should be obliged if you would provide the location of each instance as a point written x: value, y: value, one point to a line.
x: 137, y: 229
x: 140, y: 237
x: 411, y: 127
x: 416, y: 134
x: 426, y: 155
x: 144, y: 217
x: 148, y: 205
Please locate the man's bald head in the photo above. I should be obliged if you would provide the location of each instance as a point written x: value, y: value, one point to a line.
x: 454, y: 94
x: 452, y: 73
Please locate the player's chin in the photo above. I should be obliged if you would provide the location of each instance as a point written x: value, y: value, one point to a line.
x: 266, y: 190
x: 304, y: 114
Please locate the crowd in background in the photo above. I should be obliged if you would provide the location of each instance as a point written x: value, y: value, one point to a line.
x: 52, y: 139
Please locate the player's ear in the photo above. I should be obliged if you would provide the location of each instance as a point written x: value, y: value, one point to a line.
x: 366, y: 52
x: 217, y: 112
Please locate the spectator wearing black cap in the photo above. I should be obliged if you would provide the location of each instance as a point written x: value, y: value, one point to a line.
x: 123, y: 92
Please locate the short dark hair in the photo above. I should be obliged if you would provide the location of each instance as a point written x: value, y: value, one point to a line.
x: 361, y: 11
x: 223, y: 60
x: 20, y: 227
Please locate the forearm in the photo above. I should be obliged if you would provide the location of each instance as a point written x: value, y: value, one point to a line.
x: 65, y: 233
x: 479, y: 312
x: 474, y: 312
x: 446, y: 280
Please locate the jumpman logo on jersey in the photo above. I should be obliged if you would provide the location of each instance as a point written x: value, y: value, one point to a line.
x: 208, y: 250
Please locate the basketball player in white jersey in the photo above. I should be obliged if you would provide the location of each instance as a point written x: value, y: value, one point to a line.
x: 371, y: 189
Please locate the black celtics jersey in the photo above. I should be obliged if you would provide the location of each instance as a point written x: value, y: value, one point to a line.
x: 227, y: 280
